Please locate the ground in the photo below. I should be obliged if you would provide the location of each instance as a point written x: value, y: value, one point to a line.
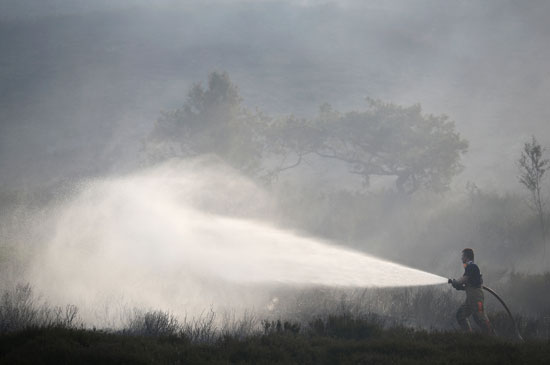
x: 399, y: 345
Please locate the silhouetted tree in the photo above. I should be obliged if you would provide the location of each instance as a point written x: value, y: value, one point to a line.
x: 385, y: 140
x: 532, y: 167
x: 211, y: 121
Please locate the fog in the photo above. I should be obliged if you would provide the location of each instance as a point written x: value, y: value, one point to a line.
x: 83, y: 85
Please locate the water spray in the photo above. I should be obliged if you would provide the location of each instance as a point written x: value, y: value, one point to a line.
x: 184, y: 236
x: 169, y: 237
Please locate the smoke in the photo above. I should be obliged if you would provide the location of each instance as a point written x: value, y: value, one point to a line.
x: 83, y: 82
x: 186, y: 236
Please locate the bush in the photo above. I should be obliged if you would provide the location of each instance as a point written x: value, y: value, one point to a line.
x: 20, y: 309
x: 153, y: 323
x: 278, y: 327
x: 347, y: 327
x: 157, y: 323
x: 201, y: 329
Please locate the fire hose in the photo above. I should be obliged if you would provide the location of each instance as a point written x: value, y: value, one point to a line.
x: 518, y: 335
x: 507, y: 310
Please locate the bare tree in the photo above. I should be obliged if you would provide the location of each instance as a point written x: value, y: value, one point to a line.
x: 532, y: 167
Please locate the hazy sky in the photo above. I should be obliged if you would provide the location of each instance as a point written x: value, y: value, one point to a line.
x: 82, y: 82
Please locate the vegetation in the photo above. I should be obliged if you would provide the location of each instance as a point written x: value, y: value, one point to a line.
x: 20, y: 309
x: 337, y: 341
x: 419, y: 151
x: 532, y: 167
x: 416, y: 150
x: 211, y: 121
x: 346, y: 335
x: 424, y: 231
x: 417, y: 154
x: 427, y: 308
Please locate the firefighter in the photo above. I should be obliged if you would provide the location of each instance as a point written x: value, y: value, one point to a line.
x: 471, y: 282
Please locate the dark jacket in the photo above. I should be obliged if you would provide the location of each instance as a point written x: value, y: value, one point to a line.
x: 474, y: 277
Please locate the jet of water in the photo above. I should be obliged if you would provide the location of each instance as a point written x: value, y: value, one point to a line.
x: 167, y: 237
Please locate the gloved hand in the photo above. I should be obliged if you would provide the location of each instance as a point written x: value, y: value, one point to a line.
x: 456, y: 284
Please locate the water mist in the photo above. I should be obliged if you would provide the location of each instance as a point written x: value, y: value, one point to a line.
x: 186, y: 236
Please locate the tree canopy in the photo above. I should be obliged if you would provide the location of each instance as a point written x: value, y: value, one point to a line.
x: 211, y: 121
x: 417, y: 150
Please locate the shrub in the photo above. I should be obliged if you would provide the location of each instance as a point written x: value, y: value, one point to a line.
x: 20, y: 309
x: 347, y: 327
x: 201, y: 329
x: 284, y: 327
x: 153, y: 323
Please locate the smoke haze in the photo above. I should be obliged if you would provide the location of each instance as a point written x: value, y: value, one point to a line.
x: 86, y: 220
x: 83, y: 82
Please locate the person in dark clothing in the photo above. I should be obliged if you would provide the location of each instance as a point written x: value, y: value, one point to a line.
x: 471, y: 282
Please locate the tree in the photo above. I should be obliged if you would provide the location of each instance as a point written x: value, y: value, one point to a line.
x: 532, y: 167
x: 417, y: 150
x: 385, y: 140
x: 211, y: 121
